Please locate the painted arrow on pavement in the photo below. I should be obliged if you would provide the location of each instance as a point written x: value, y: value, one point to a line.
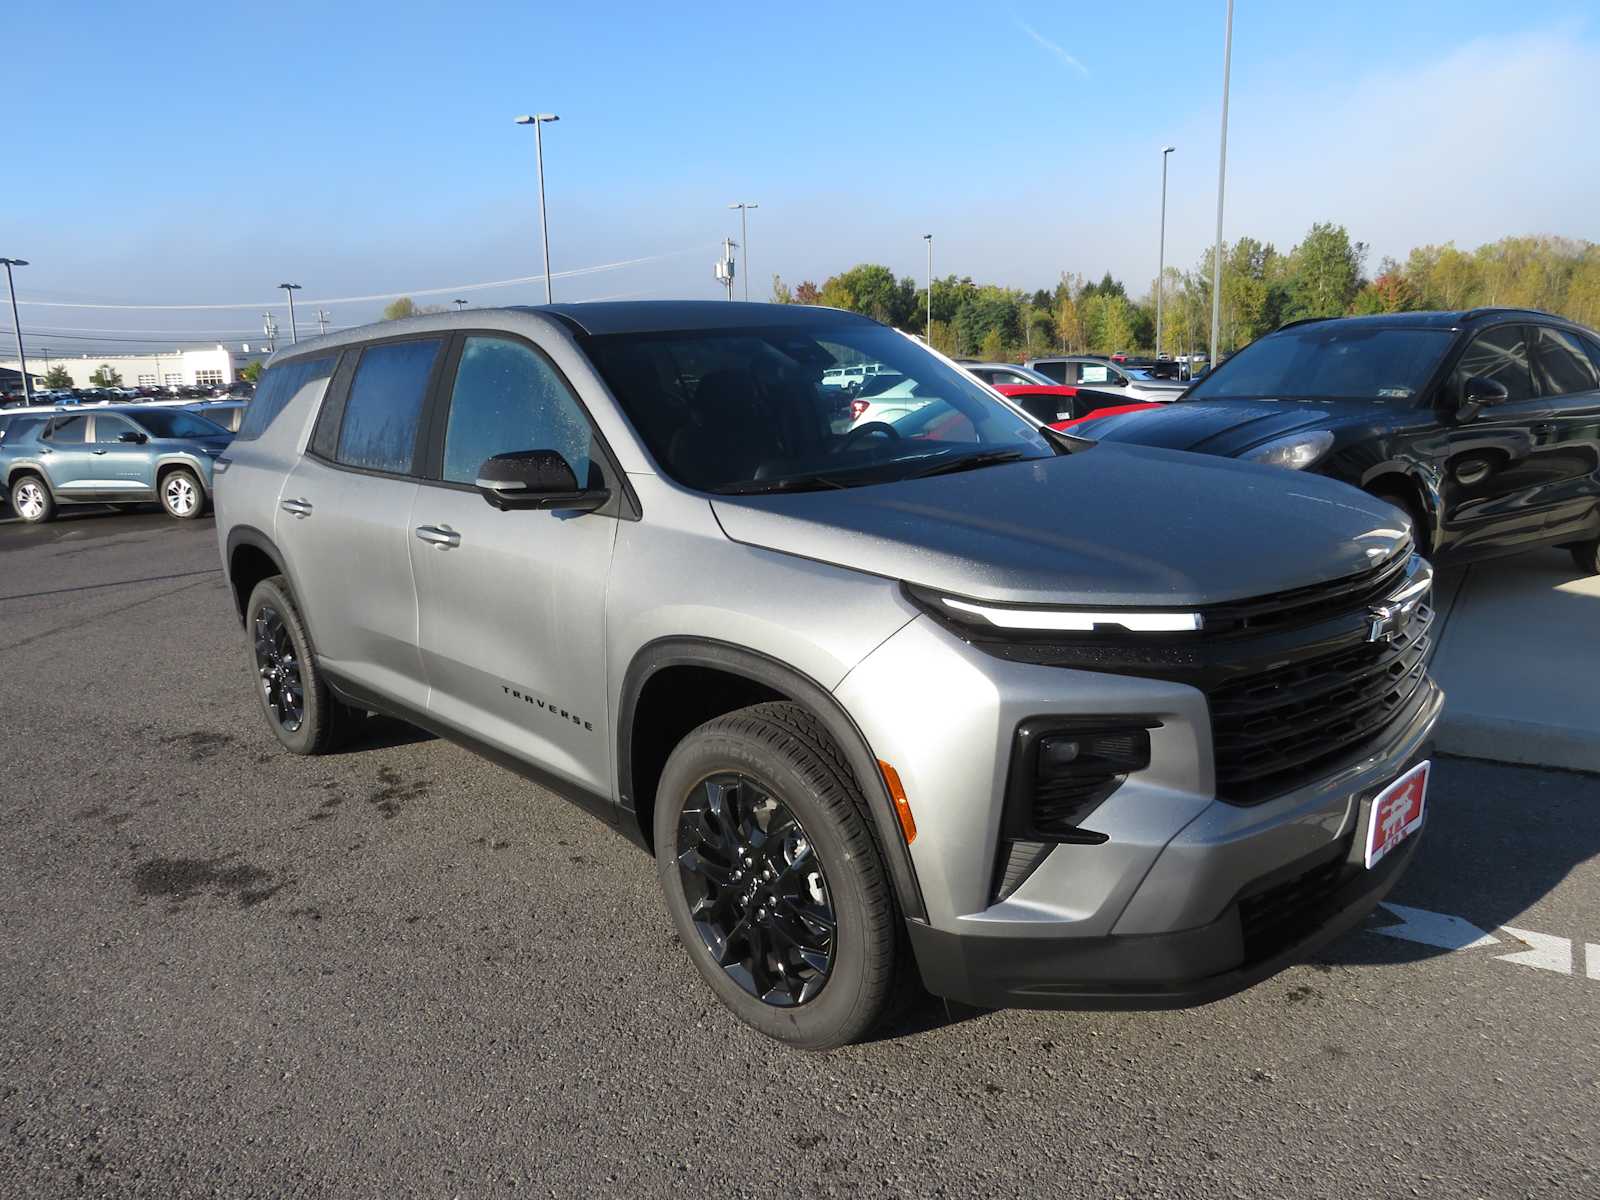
x: 1435, y: 929
x: 1549, y: 953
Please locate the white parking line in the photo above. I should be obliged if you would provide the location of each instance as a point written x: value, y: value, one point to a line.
x: 1545, y: 952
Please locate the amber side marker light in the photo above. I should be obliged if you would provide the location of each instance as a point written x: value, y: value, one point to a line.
x: 902, y: 806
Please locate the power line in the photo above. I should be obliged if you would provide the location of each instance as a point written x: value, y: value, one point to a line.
x: 459, y: 287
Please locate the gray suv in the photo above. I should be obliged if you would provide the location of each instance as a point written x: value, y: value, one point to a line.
x: 945, y: 699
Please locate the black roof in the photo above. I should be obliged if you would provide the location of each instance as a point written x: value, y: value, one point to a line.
x: 1454, y: 319
x: 659, y: 316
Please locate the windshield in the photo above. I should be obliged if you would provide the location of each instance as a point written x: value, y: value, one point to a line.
x: 175, y: 423
x: 1333, y: 361
x: 744, y: 410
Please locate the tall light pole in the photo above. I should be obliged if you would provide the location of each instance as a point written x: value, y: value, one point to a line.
x: 1222, y: 174
x: 460, y: 304
x: 1161, y: 254
x: 289, y: 290
x: 928, y: 332
x: 537, y: 120
x: 16, y: 323
x: 744, y: 238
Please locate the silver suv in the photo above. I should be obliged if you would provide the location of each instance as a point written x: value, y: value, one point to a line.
x: 946, y: 699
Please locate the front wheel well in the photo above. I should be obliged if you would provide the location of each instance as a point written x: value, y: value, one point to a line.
x: 1405, y: 495
x: 673, y: 702
x: 21, y: 473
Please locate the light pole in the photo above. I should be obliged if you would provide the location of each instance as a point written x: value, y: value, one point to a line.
x: 744, y: 238
x: 1161, y: 254
x: 290, y: 289
x: 537, y: 120
x: 460, y: 304
x: 16, y: 323
x: 928, y: 332
x: 1222, y: 173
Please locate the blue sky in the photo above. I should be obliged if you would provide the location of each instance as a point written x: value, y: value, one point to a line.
x: 200, y: 153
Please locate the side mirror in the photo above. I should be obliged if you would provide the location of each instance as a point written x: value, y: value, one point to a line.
x: 1479, y: 393
x: 137, y: 439
x: 536, y: 479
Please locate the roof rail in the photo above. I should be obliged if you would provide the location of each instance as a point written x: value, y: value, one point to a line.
x: 1485, y: 310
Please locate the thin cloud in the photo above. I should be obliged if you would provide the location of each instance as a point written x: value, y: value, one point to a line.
x: 1047, y: 44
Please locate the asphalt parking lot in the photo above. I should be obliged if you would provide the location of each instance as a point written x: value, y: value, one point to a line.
x: 403, y: 971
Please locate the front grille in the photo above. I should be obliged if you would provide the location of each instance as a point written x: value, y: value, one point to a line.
x: 1269, y: 729
x: 1278, y: 916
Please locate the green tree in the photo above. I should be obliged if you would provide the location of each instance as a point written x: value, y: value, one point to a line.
x: 873, y: 290
x: 1117, y: 327
x: 405, y: 306
x: 58, y: 377
x: 105, y: 375
x: 993, y: 348
x: 780, y: 291
x: 251, y: 371
x: 1324, y: 272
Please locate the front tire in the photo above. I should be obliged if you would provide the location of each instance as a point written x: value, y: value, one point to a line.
x: 765, y: 855
x: 31, y: 500
x: 302, y: 713
x: 181, y: 495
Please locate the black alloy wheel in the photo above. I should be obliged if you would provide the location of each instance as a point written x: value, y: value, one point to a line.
x: 279, y: 668
x: 757, y: 892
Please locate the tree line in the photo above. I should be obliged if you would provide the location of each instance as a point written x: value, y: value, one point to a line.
x: 1324, y: 275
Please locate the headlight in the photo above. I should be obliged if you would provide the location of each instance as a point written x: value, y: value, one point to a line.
x: 1297, y: 451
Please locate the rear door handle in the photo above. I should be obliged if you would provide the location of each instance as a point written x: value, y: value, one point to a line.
x: 441, y: 536
x: 297, y: 508
x: 1547, y: 427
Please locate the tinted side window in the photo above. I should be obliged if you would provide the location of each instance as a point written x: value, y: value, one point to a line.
x: 1502, y: 355
x: 109, y: 429
x: 278, y: 386
x: 1563, y: 366
x: 379, y: 431
x: 70, y: 431
x: 507, y: 397
x: 1053, y: 370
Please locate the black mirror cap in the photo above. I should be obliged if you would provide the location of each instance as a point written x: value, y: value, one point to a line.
x: 536, y: 479
x: 1481, y: 392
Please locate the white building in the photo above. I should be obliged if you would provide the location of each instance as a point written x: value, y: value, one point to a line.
x: 162, y: 368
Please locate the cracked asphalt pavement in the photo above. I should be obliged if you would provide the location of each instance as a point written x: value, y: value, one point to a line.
x: 400, y: 970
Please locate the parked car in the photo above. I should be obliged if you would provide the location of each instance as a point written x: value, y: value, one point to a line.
x: 1083, y: 370
x: 1483, y: 426
x: 1057, y: 403
x: 227, y: 413
x: 868, y: 707
x: 1007, y: 374
x: 103, y: 455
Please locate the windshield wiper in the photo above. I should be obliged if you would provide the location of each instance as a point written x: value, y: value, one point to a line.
x: 967, y: 462
x: 789, y: 483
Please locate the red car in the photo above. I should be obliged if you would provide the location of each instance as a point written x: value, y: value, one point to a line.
x: 1059, y: 404
x: 1090, y: 417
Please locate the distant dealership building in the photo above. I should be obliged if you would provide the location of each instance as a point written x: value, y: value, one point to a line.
x: 184, y: 368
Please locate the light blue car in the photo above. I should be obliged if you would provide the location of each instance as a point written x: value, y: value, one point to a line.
x: 118, y: 456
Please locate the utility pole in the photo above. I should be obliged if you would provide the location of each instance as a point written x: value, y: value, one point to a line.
x: 290, y: 289
x: 1222, y: 174
x: 744, y: 235
x: 928, y: 332
x: 725, y: 269
x: 322, y: 322
x: 1161, y: 254
x: 269, y: 329
x: 537, y: 120
x: 16, y: 324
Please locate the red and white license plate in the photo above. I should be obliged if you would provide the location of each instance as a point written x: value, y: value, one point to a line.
x: 1397, y: 812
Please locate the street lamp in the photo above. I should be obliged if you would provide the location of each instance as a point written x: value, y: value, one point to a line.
x: 16, y: 323
x: 460, y: 304
x: 1222, y: 172
x: 536, y: 120
x: 289, y: 290
x: 744, y: 238
x: 1161, y: 254
x: 928, y: 332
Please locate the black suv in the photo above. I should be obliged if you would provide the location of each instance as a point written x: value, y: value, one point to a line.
x: 1483, y: 425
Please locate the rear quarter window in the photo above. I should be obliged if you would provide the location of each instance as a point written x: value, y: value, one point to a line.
x: 279, y: 385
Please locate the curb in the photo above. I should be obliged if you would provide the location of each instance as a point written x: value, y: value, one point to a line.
x: 1500, y: 739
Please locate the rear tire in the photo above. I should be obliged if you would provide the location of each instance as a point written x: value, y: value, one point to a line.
x: 1587, y: 556
x: 31, y: 500
x: 303, y: 714
x: 181, y: 495
x: 808, y: 942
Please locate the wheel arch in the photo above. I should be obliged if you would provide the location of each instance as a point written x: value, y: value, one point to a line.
x: 165, y: 465
x: 251, y: 557
x: 28, y: 467
x: 665, y: 671
x: 1398, y: 483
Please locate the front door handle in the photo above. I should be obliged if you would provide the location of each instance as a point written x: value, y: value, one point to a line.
x: 441, y: 536
x: 99, y: 451
x: 297, y: 508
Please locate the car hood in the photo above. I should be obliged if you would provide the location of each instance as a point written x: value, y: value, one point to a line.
x: 1217, y: 426
x: 1113, y: 525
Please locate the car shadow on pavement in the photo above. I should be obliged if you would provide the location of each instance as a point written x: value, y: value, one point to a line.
x: 1498, y: 839
x: 378, y: 732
